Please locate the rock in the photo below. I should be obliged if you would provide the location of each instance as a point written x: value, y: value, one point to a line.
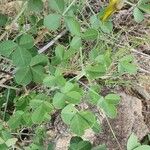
x: 129, y: 119
x: 63, y: 143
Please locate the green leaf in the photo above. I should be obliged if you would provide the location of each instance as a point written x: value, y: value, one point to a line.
x: 15, y: 120
x: 127, y: 58
x: 3, y: 147
x: 59, y: 52
x: 145, y: 8
x: 68, y: 87
x: 27, y: 121
x: 96, y: 70
x: 22, y: 102
x: 39, y: 59
x: 94, y: 53
x: 51, y: 81
x: 104, y: 59
x: 95, y: 22
x: 112, y: 99
x: 3, y: 20
x: 143, y: 1
x: 1, y: 141
x: 90, y: 34
x: 77, y: 143
x: 106, y: 27
x: 78, y: 125
x: 21, y: 57
x: 68, y: 113
x: 6, y: 134
x: 97, y: 127
x: 127, y: 67
x: 52, y: 21
x: 38, y: 73
x: 57, y: 5
x: 93, y: 93
x: 11, y: 142
x: 132, y: 142
x: 108, y: 108
x: 59, y: 100
x: 70, y: 53
x: 38, y: 114
x: 26, y: 41
x: 75, y: 140
x: 143, y: 147
x: 35, y: 5
x: 23, y: 76
x: 73, y: 26
x: 138, y: 15
x: 76, y: 43
x: 82, y: 121
x: 7, y: 47
x: 73, y: 97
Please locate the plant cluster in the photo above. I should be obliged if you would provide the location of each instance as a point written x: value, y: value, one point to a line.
x: 33, y: 109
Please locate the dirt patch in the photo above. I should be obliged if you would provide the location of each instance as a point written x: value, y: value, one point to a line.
x: 129, y: 119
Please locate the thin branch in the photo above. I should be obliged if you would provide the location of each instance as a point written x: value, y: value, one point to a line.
x: 100, y: 110
x: 9, y: 87
x: 112, y: 131
x: 141, y: 53
x: 43, y: 49
x: 68, y: 7
x: 6, y: 104
x: 143, y: 70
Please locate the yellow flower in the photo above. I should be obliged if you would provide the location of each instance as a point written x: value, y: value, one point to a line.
x: 114, y: 5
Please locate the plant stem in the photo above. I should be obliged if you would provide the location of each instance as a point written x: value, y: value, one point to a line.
x: 7, y: 99
x: 68, y: 7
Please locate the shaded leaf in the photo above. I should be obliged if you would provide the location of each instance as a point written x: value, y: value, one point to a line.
x: 73, y: 97
x: 132, y: 142
x: 15, y: 121
x: 23, y: 76
x: 143, y: 147
x: 21, y: 57
x: 52, y: 21
x: 59, y: 100
x: 26, y: 41
x: 35, y: 5
x: 40, y: 59
x: 73, y: 25
x: 3, y: 19
x: 38, y: 73
x: 7, y: 47
x: 57, y: 5
x: 112, y: 99
x: 76, y: 43
x: 90, y: 34
x: 138, y: 15
x: 108, y: 108
x: 68, y: 113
